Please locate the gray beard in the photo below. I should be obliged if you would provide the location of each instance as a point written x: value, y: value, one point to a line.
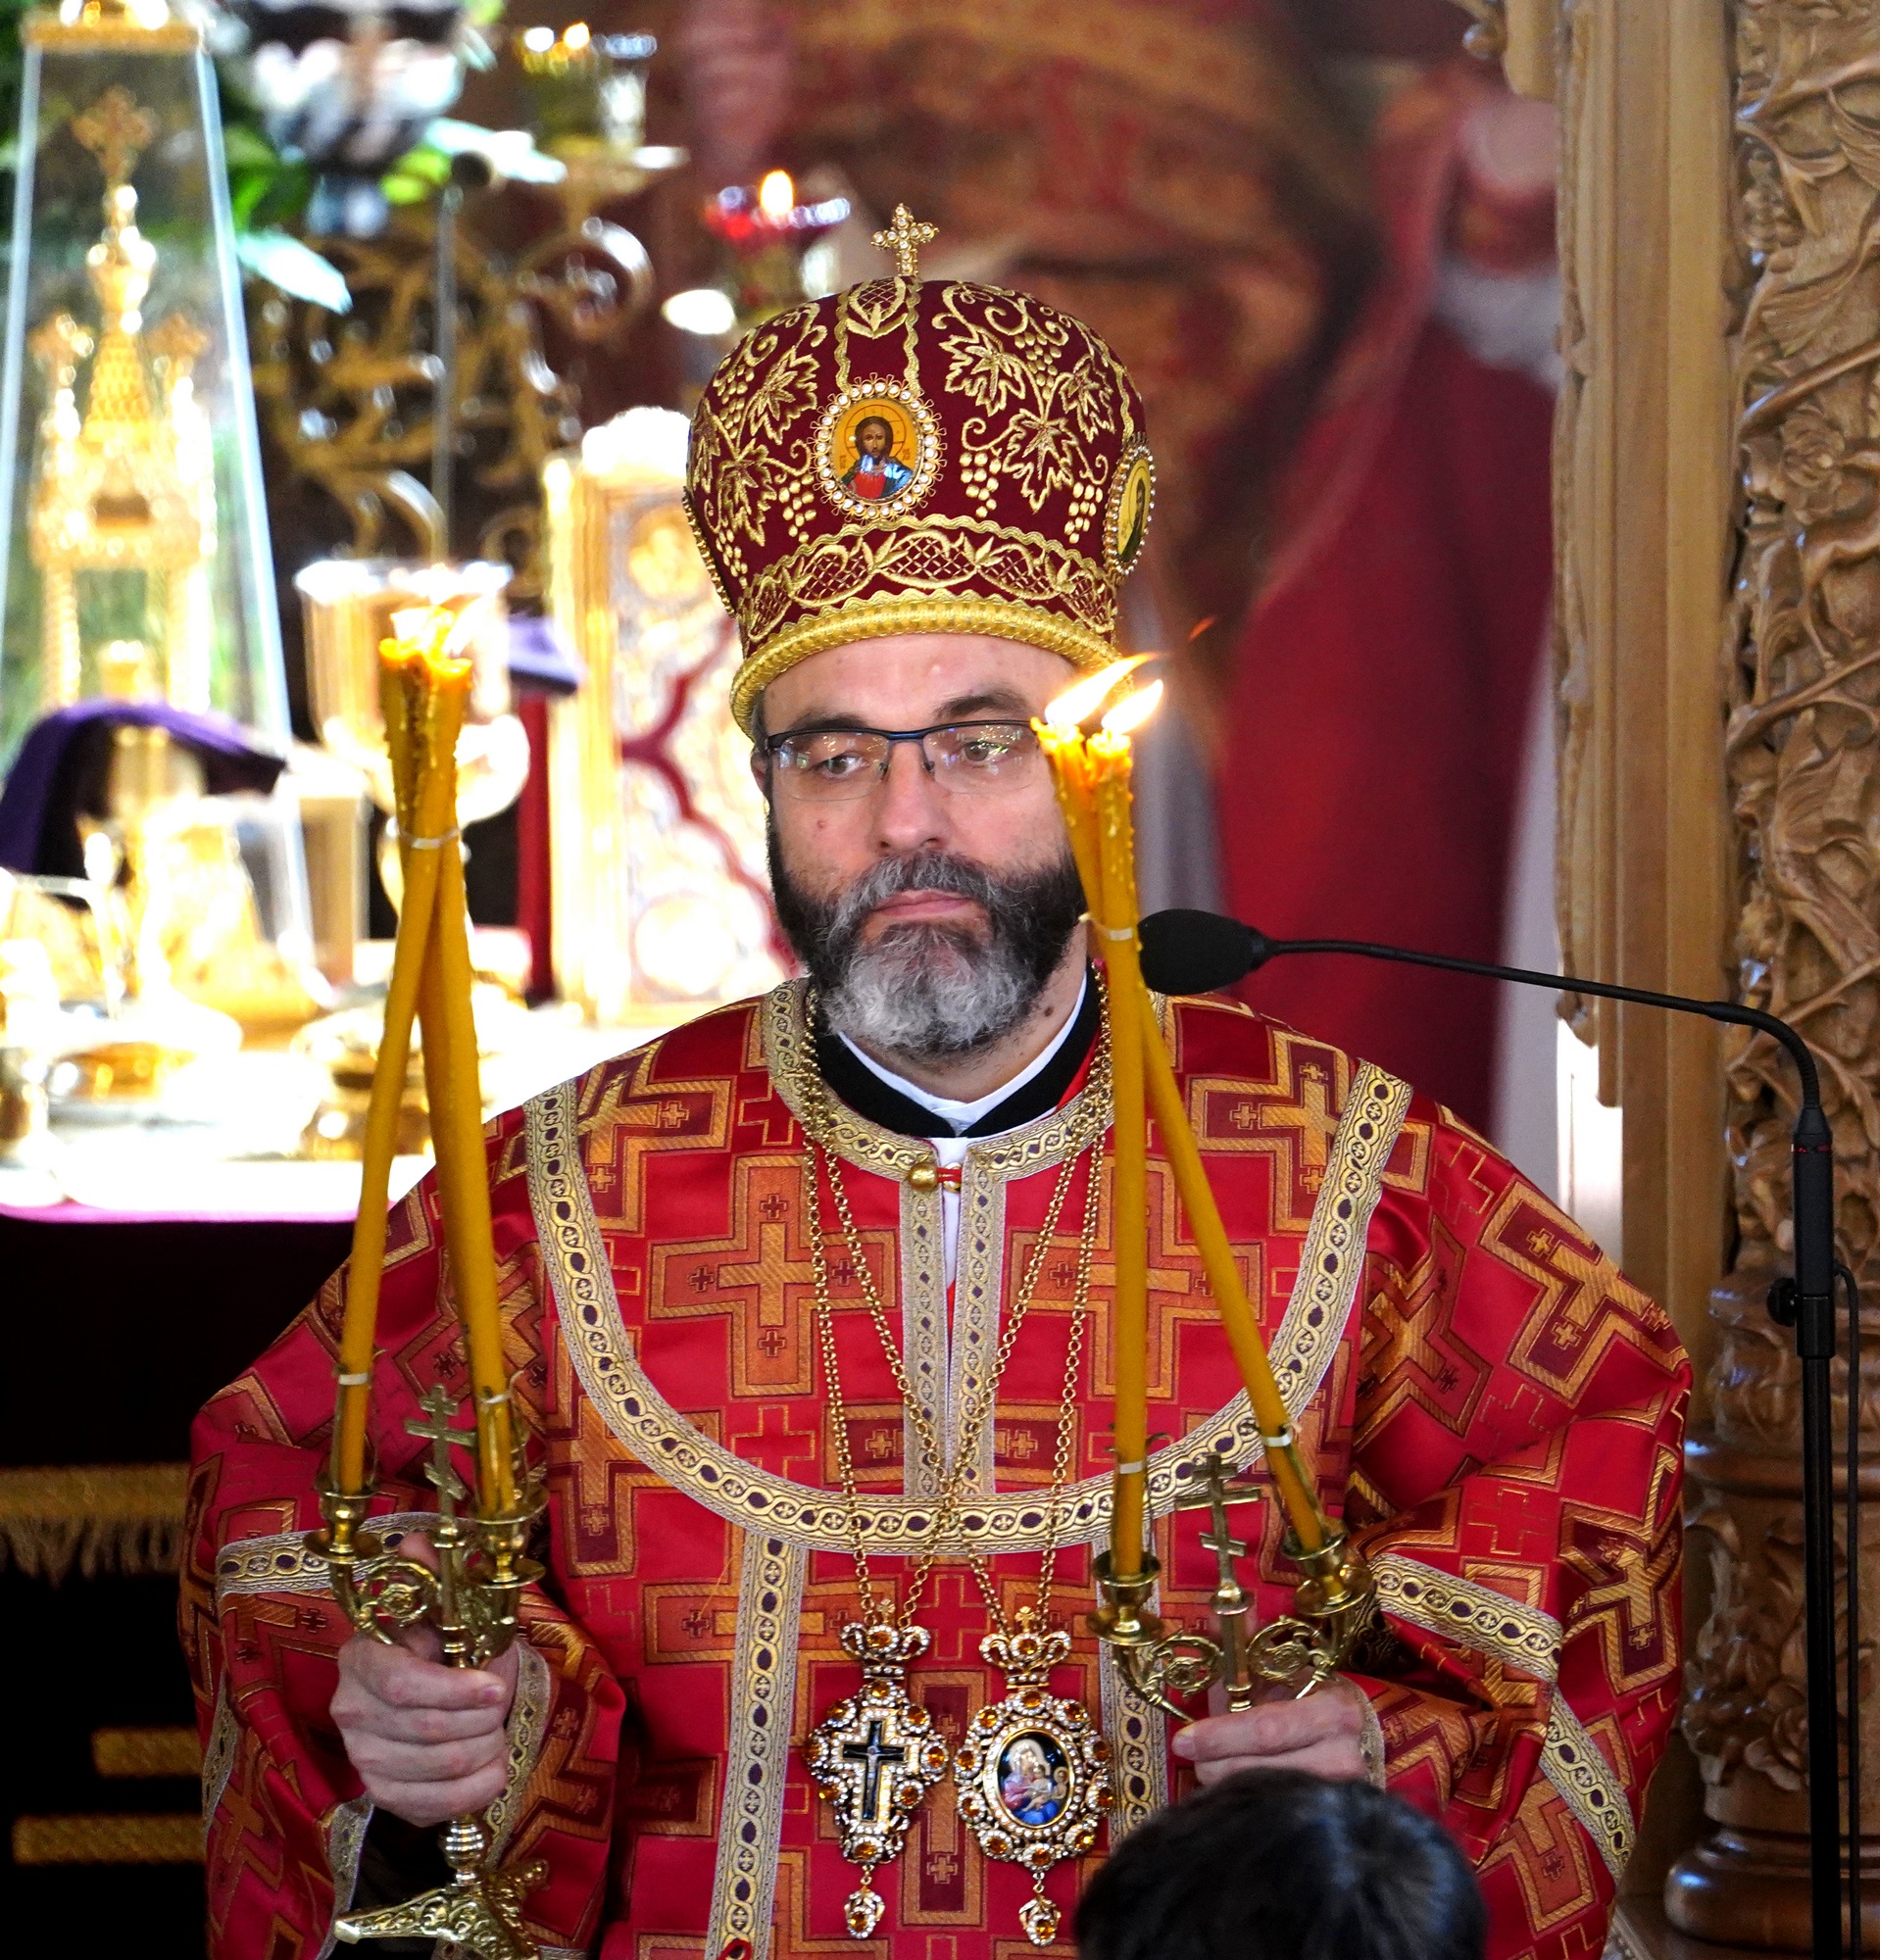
x: 932, y: 993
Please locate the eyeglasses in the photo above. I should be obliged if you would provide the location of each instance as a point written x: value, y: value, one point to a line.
x: 835, y: 764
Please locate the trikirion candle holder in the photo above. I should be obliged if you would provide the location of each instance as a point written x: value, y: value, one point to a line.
x: 472, y: 1592
x: 1336, y: 1597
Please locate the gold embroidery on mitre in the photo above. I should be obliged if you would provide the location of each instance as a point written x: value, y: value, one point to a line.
x: 744, y: 461
x: 888, y: 613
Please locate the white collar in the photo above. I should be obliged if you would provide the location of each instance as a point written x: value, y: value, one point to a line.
x: 959, y: 1116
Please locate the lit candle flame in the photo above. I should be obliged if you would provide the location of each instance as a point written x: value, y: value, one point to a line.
x: 539, y: 40
x: 776, y: 195
x: 1133, y: 711
x: 577, y: 37
x: 1076, y: 705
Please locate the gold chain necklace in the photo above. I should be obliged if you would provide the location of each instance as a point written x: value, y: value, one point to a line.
x: 1032, y: 1774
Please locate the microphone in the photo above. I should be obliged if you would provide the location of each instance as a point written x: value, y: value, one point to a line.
x: 1187, y: 952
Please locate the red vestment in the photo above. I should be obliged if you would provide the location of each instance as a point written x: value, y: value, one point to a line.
x: 1480, y: 1392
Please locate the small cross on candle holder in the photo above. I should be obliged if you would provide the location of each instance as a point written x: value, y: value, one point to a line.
x: 470, y: 1597
x: 1296, y: 1653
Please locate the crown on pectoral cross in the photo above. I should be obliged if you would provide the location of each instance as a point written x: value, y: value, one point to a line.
x: 904, y: 236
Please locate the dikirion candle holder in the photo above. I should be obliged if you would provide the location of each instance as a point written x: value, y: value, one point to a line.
x: 1335, y: 1597
x: 472, y: 1594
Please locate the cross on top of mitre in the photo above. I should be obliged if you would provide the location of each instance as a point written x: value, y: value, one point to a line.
x: 116, y: 132
x: 904, y: 236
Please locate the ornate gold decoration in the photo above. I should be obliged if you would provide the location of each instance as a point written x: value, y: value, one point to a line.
x: 111, y: 26
x: 128, y: 486
x: 858, y: 400
x: 472, y: 1598
x: 763, y: 1671
x: 348, y: 398
x: 904, y: 236
x: 1519, y: 1637
x: 1576, y: 1766
x: 874, y: 1757
x: 1127, y: 510
x: 1042, y: 1808
x: 1037, y: 420
x: 116, y: 1518
x: 882, y: 615
x: 580, y: 1274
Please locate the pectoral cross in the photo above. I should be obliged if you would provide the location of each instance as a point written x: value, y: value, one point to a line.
x: 875, y: 1752
x: 1230, y: 1603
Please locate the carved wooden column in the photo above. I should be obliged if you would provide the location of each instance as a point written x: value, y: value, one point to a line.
x: 1801, y: 752
x: 1718, y: 465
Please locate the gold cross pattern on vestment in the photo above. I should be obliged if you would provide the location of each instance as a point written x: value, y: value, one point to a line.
x: 904, y: 236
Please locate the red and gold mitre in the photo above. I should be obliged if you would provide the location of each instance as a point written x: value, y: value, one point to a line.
x: 919, y: 456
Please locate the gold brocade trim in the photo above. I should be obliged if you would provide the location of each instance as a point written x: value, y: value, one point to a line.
x: 924, y: 1330
x: 346, y: 1829
x: 174, y: 1839
x: 763, y: 1666
x: 1472, y: 1615
x: 146, y: 1752
x: 218, y: 1758
x: 280, y: 1562
x: 930, y: 557
x: 122, y: 1518
x: 790, y: 1056
x: 1334, y: 1252
x: 890, y: 613
x: 1578, y: 1768
x: 978, y: 1283
x: 1138, y: 1737
x: 581, y: 1281
x: 525, y: 1729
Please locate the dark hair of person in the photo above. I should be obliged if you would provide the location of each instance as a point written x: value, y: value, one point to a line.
x: 1277, y: 1865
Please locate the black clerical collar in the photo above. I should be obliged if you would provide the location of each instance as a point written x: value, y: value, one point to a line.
x: 880, y: 1103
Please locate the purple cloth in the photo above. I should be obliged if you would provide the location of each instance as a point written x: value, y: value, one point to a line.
x: 540, y: 660
x: 60, y: 769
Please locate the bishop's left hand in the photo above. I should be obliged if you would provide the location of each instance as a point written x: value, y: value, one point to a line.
x: 1322, y: 1735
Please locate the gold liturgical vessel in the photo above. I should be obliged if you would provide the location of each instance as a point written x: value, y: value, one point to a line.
x: 133, y: 543
x: 125, y: 482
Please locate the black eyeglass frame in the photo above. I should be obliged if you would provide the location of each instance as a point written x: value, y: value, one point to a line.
x: 773, y: 744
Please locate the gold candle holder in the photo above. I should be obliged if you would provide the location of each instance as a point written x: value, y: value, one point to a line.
x: 1335, y: 1597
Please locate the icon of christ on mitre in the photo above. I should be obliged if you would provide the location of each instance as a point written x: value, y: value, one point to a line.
x: 809, y: 1309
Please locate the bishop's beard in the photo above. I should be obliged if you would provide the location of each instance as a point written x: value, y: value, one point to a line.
x: 924, y: 991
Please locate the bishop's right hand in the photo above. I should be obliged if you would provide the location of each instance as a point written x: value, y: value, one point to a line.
x: 426, y: 1740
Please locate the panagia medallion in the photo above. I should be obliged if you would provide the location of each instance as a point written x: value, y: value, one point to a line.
x: 874, y: 1757
x: 1033, y: 1772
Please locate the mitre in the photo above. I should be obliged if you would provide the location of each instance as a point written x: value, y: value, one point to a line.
x: 918, y: 456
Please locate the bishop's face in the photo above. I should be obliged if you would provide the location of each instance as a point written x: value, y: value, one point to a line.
x: 931, y: 906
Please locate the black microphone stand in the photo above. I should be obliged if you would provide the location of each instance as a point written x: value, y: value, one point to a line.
x: 1805, y: 1303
